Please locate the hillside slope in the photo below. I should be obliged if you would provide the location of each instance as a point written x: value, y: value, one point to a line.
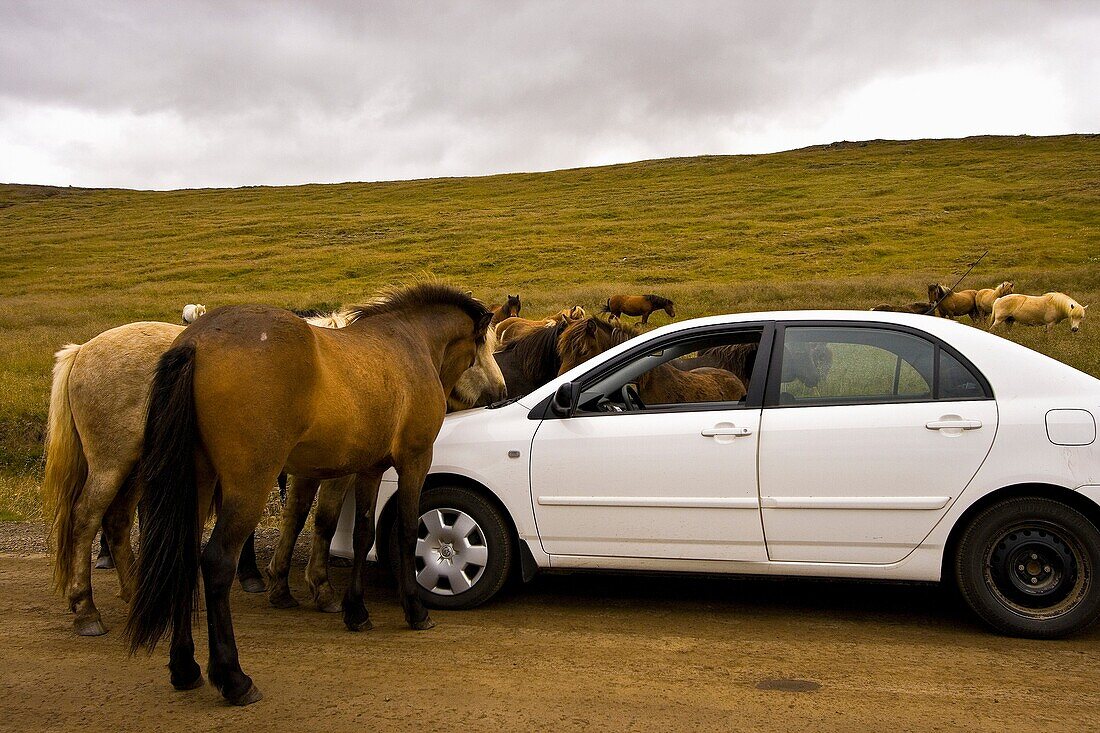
x: 848, y: 224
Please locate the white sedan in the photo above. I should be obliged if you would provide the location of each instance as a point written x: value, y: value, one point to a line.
x: 868, y: 445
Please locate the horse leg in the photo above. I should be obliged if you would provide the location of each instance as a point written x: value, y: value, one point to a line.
x: 247, y: 572
x: 295, y: 510
x: 241, y: 506
x: 183, y: 670
x: 411, y: 474
x: 356, y: 617
x: 103, y: 560
x: 99, y: 490
x: 325, y: 519
x: 645, y: 317
x: 117, y: 524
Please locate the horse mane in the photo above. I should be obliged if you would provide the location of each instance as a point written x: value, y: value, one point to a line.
x: 736, y: 358
x: 657, y: 300
x: 537, y: 352
x: 396, y: 300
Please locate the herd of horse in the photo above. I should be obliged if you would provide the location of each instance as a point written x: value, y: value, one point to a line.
x: 178, y: 425
x: 996, y: 306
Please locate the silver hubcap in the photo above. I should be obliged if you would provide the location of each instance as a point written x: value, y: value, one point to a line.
x: 450, y: 552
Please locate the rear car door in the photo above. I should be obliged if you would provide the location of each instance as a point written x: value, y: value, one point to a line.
x: 859, y: 467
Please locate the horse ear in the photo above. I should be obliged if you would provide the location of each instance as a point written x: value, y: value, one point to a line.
x: 483, y: 323
x: 590, y: 327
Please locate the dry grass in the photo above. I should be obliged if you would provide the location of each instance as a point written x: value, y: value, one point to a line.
x: 836, y: 226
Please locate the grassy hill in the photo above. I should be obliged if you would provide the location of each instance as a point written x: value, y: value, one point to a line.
x: 842, y: 225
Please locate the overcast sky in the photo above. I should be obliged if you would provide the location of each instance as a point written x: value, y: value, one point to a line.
x: 145, y: 94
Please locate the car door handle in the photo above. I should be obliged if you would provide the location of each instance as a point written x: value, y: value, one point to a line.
x: 736, y: 432
x: 954, y: 424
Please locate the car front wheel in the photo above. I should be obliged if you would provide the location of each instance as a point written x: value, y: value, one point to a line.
x: 464, y: 549
x: 1027, y: 567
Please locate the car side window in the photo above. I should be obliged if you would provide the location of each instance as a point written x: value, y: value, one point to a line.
x: 702, y: 371
x: 957, y: 382
x: 854, y: 365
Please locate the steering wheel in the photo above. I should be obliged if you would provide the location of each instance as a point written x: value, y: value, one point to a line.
x: 630, y: 397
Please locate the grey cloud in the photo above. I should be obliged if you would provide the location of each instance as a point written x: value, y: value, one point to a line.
x: 276, y: 92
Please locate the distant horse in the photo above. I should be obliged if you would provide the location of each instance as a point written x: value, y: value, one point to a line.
x: 513, y: 328
x: 951, y: 303
x: 192, y: 311
x: 1038, y: 310
x: 983, y: 301
x: 638, y: 305
x: 248, y: 390
x: 663, y: 384
x: 918, y: 307
x: 510, y: 309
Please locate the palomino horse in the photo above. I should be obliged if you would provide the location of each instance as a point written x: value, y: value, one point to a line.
x: 94, y: 434
x: 510, y: 309
x: 638, y: 305
x: 248, y: 390
x: 663, y: 384
x: 951, y: 303
x: 1038, y: 310
x: 983, y: 300
x: 513, y: 328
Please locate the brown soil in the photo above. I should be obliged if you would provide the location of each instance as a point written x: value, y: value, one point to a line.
x: 580, y: 652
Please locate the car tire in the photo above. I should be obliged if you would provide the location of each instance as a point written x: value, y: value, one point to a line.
x: 1027, y: 567
x: 482, y: 557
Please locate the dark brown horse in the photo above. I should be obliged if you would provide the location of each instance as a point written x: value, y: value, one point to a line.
x: 638, y: 305
x: 510, y: 309
x: 919, y: 307
x: 249, y: 390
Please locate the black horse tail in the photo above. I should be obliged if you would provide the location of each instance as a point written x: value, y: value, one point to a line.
x: 606, y: 307
x: 168, y: 558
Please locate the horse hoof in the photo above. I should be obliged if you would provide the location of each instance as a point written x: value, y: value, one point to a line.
x: 284, y: 600
x: 253, y: 695
x: 91, y: 627
x: 423, y: 625
x: 192, y: 685
x: 329, y: 606
x: 253, y: 585
x: 105, y: 562
x: 364, y: 625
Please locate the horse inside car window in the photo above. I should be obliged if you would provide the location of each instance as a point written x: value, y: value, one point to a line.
x: 710, y: 369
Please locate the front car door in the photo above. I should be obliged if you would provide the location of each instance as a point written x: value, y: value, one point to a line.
x: 860, y: 467
x: 667, y: 481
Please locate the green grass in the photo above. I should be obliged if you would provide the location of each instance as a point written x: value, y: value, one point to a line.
x: 847, y: 225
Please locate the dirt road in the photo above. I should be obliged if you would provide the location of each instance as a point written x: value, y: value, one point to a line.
x: 580, y: 652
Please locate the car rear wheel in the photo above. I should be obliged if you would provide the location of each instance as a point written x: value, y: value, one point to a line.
x: 464, y: 549
x: 1027, y: 567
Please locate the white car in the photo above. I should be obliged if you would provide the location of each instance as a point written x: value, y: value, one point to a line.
x: 922, y: 450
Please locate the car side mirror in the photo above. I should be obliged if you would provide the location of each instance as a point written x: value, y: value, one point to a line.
x: 566, y: 399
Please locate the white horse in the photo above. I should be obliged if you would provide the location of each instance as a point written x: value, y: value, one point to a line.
x: 1038, y: 310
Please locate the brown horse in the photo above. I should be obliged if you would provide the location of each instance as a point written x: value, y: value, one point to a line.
x: 638, y: 305
x: 663, y: 384
x: 510, y: 309
x: 476, y: 387
x: 918, y: 307
x: 248, y: 390
x: 736, y: 358
x: 513, y: 328
x: 951, y: 303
